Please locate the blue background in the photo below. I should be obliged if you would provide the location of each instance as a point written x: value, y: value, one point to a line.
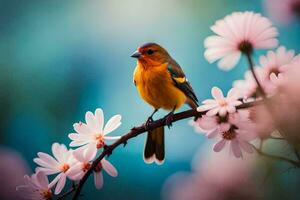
x: 60, y: 59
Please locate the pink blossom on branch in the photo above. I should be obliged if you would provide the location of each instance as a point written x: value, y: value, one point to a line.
x: 237, y: 33
x: 60, y: 163
x: 91, y: 134
x: 36, y: 187
x: 220, y: 105
x: 85, y: 158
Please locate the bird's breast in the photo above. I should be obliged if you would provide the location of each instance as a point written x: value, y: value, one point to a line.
x: 156, y: 87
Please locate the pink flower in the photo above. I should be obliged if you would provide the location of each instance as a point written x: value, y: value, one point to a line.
x: 273, y: 62
x: 211, y: 125
x: 247, y: 88
x: 84, y: 157
x: 239, y: 33
x: 92, y: 134
x: 237, y: 139
x: 282, y: 11
x: 220, y: 105
x: 36, y: 187
x: 60, y: 164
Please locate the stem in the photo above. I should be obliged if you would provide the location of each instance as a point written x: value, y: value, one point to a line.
x: 274, y: 157
x: 251, y: 67
x: 142, y: 129
x: 70, y: 191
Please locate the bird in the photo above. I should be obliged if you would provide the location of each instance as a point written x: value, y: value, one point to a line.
x: 161, y: 82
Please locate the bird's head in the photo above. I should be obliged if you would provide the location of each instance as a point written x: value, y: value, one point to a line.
x: 151, y: 54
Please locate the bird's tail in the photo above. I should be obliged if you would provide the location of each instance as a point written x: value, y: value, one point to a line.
x: 155, y: 146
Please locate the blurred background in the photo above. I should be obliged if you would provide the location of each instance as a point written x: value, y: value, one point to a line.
x: 59, y: 59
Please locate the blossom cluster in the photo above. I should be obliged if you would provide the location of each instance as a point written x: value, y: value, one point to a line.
x: 240, y: 34
x: 90, y: 138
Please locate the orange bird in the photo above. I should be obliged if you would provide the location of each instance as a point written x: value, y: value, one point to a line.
x: 161, y: 82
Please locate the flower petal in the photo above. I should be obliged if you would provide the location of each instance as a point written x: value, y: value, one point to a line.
x: 60, y: 184
x: 109, y: 168
x: 219, y: 146
x: 98, y: 180
x: 236, y: 148
x: 217, y: 93
x: 112, y: 124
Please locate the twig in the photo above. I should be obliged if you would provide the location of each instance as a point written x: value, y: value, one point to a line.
x: 67, y: 193
x: 274, y: 157
x: 251, y: 66
x: 139, y: 130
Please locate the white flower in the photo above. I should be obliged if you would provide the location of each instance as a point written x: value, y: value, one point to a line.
x: 92, y: 134
x: 273, y: 62
x: 220, y: 105
x: 36, y: 187
x: 238, y: 33
x: 62, y: 161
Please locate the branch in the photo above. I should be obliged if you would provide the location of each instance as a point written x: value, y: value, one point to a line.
x: 142, y: 129
x: 67, y: 193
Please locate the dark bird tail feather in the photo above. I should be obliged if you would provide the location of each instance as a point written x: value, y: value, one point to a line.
x: 155, y: 146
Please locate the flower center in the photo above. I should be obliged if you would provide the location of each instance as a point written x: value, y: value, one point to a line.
x: 245, y: 47
x: 46, y: 194
x: 274, y: 70
x: 86, y: 167
x: 64, y: 167
x: 222, y: 119
x: 98, y: 168
x: 222, y: 102
x: 100, y: 141
x: 229, y: 135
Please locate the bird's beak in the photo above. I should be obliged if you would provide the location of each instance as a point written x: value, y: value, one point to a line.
x: 136, y: 54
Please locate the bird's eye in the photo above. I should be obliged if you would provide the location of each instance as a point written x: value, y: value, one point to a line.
x: 150, y: 52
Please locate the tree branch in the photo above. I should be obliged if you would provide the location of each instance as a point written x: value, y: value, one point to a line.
x: 108, y: 149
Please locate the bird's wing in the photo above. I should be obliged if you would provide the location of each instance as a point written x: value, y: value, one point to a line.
x: 180, y: 80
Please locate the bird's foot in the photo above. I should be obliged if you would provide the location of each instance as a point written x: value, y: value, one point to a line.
x: 148, y: 122
x: 169, y: 119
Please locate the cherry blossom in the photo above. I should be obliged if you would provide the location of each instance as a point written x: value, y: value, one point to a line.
x: 237, y: 33
x: 220, y: 105
x: 274, y: 61
x: 92, y: 134
x: 60, y: 164
x: 36, y: 187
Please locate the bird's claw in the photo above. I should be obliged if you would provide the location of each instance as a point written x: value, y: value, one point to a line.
x: 169, y: 119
